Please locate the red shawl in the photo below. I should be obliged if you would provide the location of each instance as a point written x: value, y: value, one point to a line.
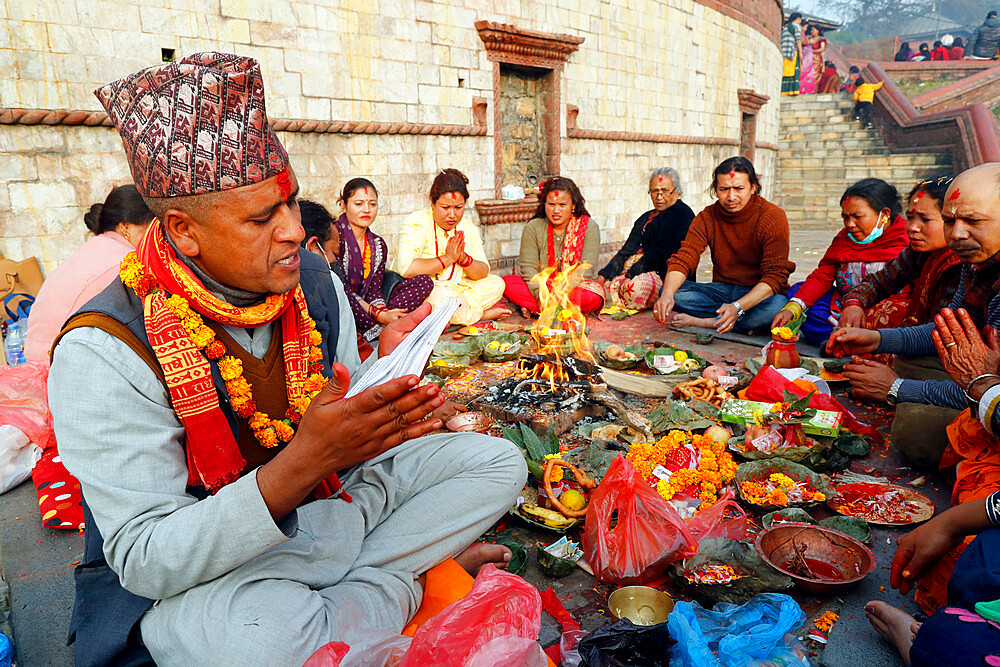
x: 572, y: 251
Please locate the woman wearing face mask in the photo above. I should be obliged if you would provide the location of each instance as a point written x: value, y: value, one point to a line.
x: 874, y: 233
x: 438, y: 242
x: 378, y: 297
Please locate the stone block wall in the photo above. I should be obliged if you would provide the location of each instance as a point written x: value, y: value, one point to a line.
x: 660, y: 67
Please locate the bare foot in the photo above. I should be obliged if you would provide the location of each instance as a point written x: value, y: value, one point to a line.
x: 527, y: 314
x: 480, y: 553
x: 895, y: 625
x: 497, y: 313
x: 685, y: 320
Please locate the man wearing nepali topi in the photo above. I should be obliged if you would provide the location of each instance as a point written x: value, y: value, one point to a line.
x: 243, y: 502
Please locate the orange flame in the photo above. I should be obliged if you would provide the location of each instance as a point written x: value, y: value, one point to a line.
x: 561, y: 326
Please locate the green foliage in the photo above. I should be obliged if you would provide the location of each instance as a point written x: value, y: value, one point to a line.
x: 675, y: 415
x: 533, y: 448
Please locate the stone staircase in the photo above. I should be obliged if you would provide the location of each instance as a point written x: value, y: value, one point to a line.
x: 823, y: 151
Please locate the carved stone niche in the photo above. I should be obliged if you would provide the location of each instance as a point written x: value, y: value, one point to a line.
x: 540, y: 52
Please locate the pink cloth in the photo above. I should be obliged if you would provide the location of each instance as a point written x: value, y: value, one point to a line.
x: 73, y: 283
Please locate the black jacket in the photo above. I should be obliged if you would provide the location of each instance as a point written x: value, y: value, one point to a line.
x: 986, y: 41
x: 658, y: 240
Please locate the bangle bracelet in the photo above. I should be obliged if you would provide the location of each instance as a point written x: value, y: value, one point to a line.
x: 739, y: 310
x: 466, y: 261
x: 993, y: 508
x: 443, y: 265
x: 851, y: 302
x: 978, y: 378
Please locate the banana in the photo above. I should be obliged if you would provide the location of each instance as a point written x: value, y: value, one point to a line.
x: 546, y: 516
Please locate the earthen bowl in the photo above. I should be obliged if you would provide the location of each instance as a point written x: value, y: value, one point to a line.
x: 640, y: 604
x: 825, y: 549
x: 479, y: 422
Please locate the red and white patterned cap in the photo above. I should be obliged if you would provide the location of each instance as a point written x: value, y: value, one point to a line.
x: 194, y: 126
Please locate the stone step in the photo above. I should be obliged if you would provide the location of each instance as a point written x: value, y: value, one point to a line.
x: 832, y: 115
x: 810, y: 135
x: 814, y: 129
x: 856, y: 160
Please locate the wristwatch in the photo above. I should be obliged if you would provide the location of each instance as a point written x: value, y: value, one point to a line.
x: 892, y: 397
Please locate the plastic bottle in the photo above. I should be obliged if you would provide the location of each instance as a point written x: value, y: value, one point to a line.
x: 13, y: 343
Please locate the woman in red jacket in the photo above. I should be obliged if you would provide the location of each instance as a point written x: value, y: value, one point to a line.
x: 874, y: 234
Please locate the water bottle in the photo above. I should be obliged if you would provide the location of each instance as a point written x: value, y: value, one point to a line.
x: 13, y: 343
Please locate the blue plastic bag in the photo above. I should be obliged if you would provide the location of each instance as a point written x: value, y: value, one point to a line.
x: 6, y: 651
x: 756, y: 633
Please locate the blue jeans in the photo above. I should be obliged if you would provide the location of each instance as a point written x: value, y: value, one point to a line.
x: 703, y: 299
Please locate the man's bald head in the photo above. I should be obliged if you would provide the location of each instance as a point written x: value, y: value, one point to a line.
x: 971, y: 213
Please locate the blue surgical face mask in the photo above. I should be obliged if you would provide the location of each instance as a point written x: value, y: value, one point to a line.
x: 875, y: 233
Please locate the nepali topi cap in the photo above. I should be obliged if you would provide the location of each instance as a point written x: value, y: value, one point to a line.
x: 196, y: 125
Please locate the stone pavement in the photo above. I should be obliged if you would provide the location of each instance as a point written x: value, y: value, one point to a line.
x: 37, y: 563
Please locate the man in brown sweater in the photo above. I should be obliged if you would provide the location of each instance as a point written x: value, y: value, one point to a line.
x: 748, y: 237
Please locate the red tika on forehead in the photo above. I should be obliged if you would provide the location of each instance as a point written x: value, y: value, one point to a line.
x: 284, y: 184
x: 955, y: 195
x: 732, y: 174
x: 847, y: 200
x: 659, y: 179
x: 919, y: 195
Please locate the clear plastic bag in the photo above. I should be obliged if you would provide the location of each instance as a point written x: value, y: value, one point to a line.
x: 649, y: 534
x: 17, y: 457
x: 756, y: 633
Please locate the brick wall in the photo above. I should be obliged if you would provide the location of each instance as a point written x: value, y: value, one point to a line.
x: 663, y: 67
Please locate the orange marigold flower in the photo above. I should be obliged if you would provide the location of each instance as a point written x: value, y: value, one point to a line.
x: 230, y: 368
x: 282, y: 430
x: 315, y: 354
x: 315, y: 382
x: 238, y: 388
x: 246, y: 410
x: 316, y: 368
x: 259, y: 421
x: 315, y: 338
x: 267, y: 438
x: 203, y: 336
x: 215, y: 350
x: 292, y: 416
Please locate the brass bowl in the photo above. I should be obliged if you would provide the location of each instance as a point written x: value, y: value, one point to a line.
x: 479, y: 422
x: 640, y: 604
x: 824, y: 548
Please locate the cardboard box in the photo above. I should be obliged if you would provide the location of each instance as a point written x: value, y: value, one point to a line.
x: 738, y: 411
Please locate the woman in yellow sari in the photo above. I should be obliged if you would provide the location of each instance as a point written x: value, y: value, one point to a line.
x: 438, y: 242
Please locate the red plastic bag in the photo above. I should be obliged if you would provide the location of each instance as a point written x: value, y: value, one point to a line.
x: 769, y: 385
x: 329, y: 655
x: 648, y: 537
x: 24, y: 401
x: 723, y: 519
x: 495, y: 624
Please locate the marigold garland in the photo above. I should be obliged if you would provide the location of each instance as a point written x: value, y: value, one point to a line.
x: 714, y: 470
x: 269, y: 432
x: 777, y: 490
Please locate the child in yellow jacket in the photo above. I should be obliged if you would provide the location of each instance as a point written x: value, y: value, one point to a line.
x: 864, y: 95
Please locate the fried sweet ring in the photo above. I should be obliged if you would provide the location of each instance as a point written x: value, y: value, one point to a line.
x: 581, y: 479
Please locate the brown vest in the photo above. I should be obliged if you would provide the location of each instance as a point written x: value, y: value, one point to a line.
x: 266, y: 376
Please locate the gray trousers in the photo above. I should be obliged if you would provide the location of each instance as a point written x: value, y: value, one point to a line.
x: 919, y: 431
x: 414, y: 506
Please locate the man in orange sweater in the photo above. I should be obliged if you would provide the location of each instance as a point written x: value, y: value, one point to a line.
x: 748, y: 238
